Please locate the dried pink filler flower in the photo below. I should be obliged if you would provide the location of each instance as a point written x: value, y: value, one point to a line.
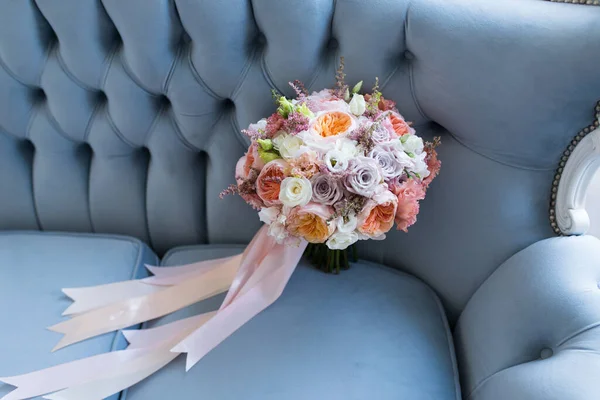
x: 296, y: 122
x: 274, y: 124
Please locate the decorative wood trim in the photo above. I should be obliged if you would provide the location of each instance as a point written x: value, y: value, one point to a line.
x: 578, y: 165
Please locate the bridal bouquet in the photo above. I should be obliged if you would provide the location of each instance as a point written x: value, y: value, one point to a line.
x: 325, y: 170
x: 335, y: 167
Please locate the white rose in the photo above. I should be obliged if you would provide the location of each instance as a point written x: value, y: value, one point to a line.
x: 268, y: 215
x: 413, y: 144
x: 289, y: 146
x: 357, y: 105
x: 420, y: 166
x: 341, y: 240
x: 346, y: 224
x: 295, y: 192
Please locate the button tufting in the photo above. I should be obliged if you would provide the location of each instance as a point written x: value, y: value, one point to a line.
x: 38, y: 95
x: 408, y: 55
x: 546, y: 353
x: 101, y: 97
x: 333, y: 44
x: 261, y: 39
x: 163, y: 101
x: 228, y: 104
x: 27, y: 146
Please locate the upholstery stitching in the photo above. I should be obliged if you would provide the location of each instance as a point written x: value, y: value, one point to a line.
x: 180, y: 135
x: 579, y: 332
x: 132, y: 75
x: 116, y: 130
x: 197, y: 76
x: 520, y: 167
x: 266, y: 72
x: 51, y: 46
x: 110, y: 58
x: 561, y: 343
x: 410, y: 65
x: 244, y: 74
x: 172, y: 69
x: 15, y: 77
x: 63, y: 67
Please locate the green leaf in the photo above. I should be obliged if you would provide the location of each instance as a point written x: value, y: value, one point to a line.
x: 357, y: 87
x: 267, y: 156
x: 411, y: 155
x: 265, y: 144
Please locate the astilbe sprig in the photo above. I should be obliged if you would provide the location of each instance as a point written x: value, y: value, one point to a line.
x: 340, y: 84
x: 299, y: 88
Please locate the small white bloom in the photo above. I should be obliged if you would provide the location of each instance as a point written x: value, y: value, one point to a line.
x: 260, y: 125
x: 413, y: 144
x: 336, y: 161
x: 346, y: 224
x: 341, y: 240
x: 268, y: 215
x: 295, y: 192
x: 278, y: 231
x: 420, y: 166
x: 289, y: 146
x: 346, y: 147
x: 357, y: 105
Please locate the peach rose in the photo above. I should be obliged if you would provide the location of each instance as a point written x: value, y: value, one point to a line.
x: 399, y: 125
x: 310, y: 222
x: 332, y: 123
x: 253, y: 160
x: 377, y: 216
x: 269, y: 181
x: 409, y: 193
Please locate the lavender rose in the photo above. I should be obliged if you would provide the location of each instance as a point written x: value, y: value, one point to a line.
x: 380, y: 135
x: 385, y: 156
x: 326, y: 189
x: 364, y: 176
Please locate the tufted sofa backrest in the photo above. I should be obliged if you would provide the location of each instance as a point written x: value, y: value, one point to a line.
x: 124, y: 116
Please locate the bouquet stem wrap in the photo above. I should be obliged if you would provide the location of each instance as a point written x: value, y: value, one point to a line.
x: 253, y: 281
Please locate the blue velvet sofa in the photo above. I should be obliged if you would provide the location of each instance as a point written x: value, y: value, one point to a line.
x: 119, y: 126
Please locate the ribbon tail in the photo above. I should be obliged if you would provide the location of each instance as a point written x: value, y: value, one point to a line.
x: 278, y: 267
x: 91, y: 298
x: 101, y: 376
x: 144, y: 308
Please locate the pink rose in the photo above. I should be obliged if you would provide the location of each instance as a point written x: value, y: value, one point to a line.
x: 241, y: 173
x: 409, y: 193
x: 377, y: 216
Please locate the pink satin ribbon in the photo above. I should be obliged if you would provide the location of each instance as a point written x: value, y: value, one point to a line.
x: 255, y: 280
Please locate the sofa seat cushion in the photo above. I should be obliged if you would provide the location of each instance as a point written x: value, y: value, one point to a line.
x: 34, y: 267
x: 369, y: 333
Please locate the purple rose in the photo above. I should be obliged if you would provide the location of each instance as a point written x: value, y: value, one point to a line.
x: 388, y: 160
x: 364, y: 176
x: 326, y: 189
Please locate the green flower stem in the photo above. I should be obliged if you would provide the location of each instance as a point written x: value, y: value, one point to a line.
x: 330, y: 261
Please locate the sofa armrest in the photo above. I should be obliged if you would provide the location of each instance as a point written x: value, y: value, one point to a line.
x: 532, y: 330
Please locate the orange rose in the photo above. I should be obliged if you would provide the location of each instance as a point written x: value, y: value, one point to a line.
x: 310, y: 222
x: 269, y: 181
x: 398, y: 124
x: 377, y: 216
x: 332, y: 123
